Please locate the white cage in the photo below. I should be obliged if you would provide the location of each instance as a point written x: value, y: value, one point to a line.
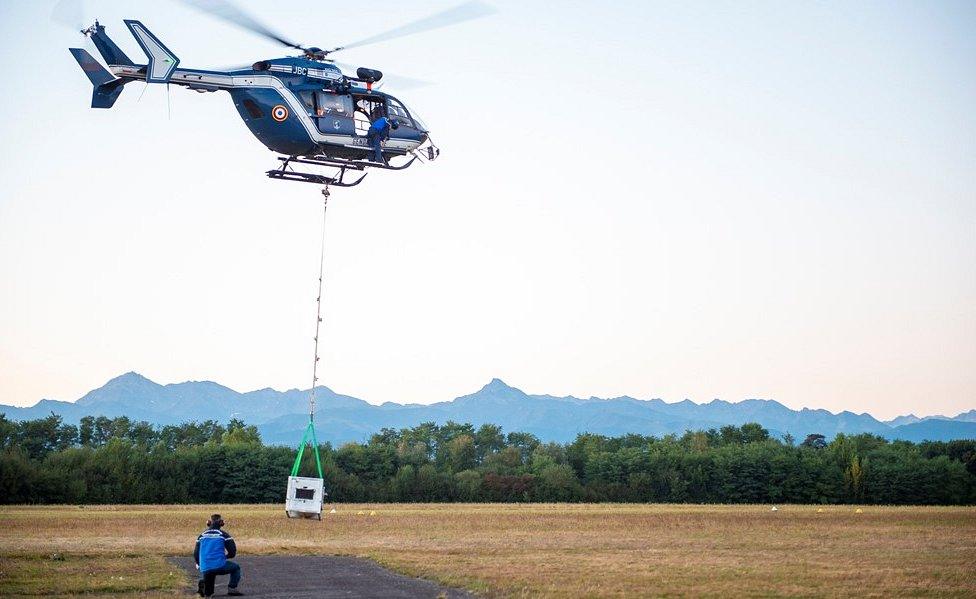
x: 304, y: 498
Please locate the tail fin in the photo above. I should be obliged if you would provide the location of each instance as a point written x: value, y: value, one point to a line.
x: 107, y: 87
x: 106, y: 47
x: 162, y: 62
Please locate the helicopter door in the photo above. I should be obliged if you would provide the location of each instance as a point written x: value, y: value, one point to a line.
x: 334, y: 114
x: 368, y: 109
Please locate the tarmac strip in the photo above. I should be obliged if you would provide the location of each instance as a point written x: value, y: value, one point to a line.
x: 307, y: 577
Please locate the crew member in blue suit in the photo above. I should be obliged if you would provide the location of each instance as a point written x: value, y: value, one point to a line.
x: 379, y: 130
x: 212, y: 554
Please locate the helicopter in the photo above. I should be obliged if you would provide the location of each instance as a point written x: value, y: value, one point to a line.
x: 303, y: 107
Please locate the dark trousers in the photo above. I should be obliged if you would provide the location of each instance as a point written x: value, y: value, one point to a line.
x: 208, y: 577
x: 376, y: 142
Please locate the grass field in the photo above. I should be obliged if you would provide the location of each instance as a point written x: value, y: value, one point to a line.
x: 519, y: 550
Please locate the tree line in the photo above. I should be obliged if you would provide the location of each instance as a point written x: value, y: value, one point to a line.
x: 116, y: 460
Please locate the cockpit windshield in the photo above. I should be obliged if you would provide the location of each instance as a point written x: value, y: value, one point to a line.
x: 405, y: 116
x: 417, y: 120
x: 398, y: 112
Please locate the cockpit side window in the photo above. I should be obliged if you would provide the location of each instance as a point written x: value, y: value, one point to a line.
x: 327, y: 104
x: 398, y: 112
x: 308, y: 100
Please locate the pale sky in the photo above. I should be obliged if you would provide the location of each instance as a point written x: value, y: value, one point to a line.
x: 659, y: 199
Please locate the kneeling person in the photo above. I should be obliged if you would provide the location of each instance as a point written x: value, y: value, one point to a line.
x: 212, y: 552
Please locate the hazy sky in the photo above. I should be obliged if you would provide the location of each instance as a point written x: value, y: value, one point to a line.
x: 676, y: 200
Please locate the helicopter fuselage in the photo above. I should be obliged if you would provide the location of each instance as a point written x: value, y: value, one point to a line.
x: 301, y: 107
x: 295, y: 106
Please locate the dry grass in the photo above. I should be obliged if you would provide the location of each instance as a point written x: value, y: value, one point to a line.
x: 27, y: 575
x: 530, y: 550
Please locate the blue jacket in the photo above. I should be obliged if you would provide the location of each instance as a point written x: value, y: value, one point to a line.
x: 381, y: 127
x: 213, y: 549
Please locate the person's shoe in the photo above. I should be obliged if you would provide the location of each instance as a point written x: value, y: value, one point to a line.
x: 234, y: 593
x: 200, y: 588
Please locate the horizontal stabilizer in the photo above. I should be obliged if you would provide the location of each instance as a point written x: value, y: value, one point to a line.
x: 95, y: 71
x: 162, y: 62
x: 107, y: 87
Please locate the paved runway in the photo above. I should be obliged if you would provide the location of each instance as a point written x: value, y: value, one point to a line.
x: 308, y: 577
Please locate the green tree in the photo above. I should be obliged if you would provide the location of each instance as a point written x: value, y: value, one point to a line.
x: 488, y: 440
x: 814, y: 441
x: 459, y: 453
x: 430, y: 484
x: 238, y: 433
x: 113, y: 460
x: 468, y: 484
x: 405, y: 483
x: 39, y: 437
x: 506, y: 461
x: 854, y: 478
x: 752, y: 432
x: 18, y: 477
x: 557, y: 482
x: 525, y: 443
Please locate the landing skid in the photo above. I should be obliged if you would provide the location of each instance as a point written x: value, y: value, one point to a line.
x: 340, y: 170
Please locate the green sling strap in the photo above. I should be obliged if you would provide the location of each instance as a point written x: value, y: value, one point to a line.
x: 308, y: 439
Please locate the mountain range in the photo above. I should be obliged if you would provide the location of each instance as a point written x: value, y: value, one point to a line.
x: 281, y: 416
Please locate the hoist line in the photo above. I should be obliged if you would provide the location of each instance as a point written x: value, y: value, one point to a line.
x: 318, y: 309
x: 308, y: 439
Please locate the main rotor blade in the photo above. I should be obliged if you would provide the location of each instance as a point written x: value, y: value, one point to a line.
x: 70, y: 13
x: 474, y: 9
x: 225, y: 10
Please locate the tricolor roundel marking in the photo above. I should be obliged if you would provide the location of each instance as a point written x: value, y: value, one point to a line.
x: 279, y: 113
